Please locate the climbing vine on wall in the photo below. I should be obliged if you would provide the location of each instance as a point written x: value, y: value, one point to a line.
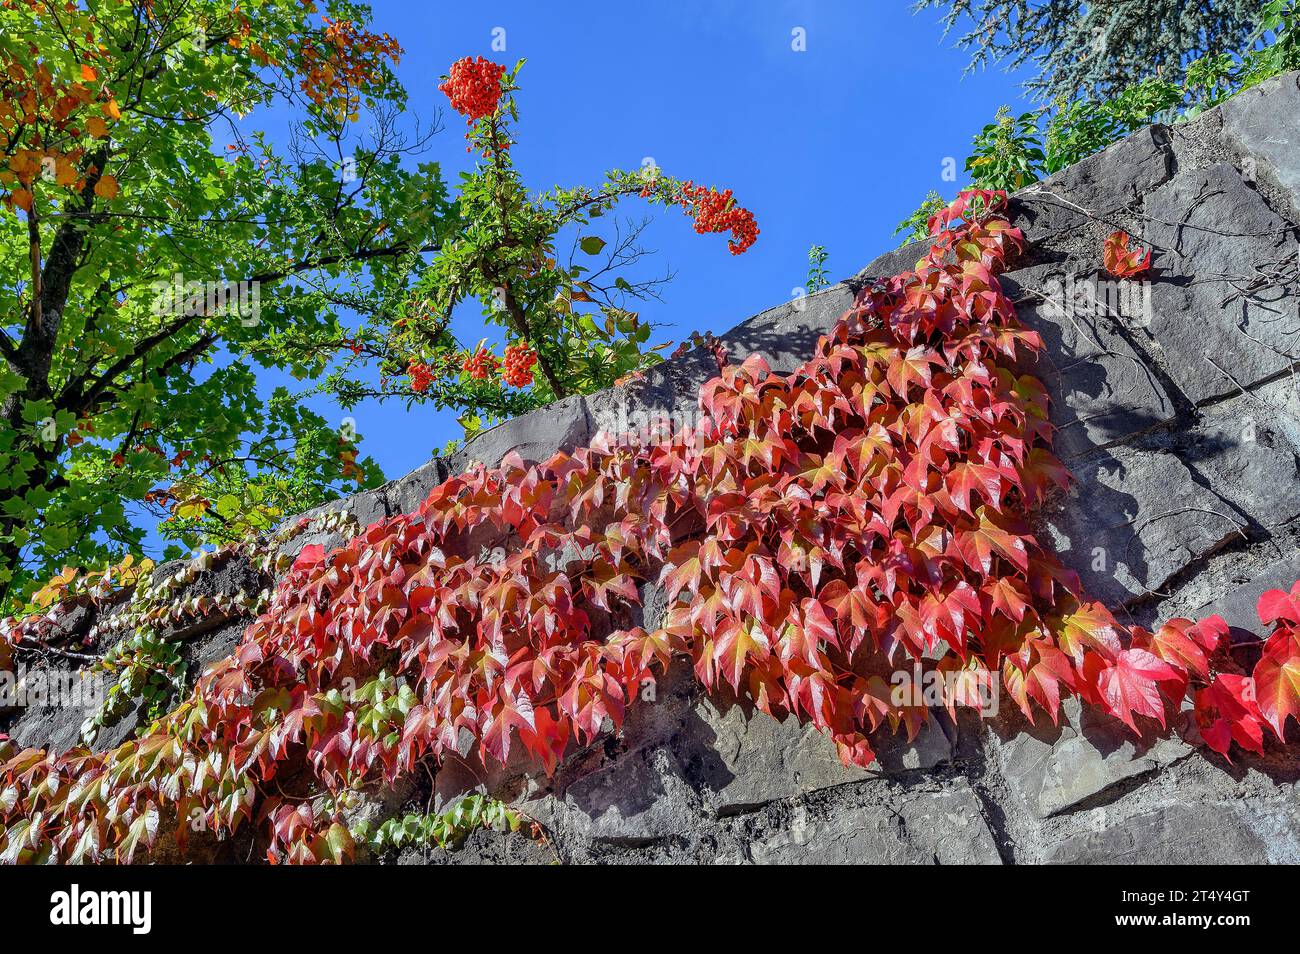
x: 814, y: 534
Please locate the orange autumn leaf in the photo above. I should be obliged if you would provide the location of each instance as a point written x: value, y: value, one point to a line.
x: 88, y: 73
x: 106, y: 187
x: 97, y: 127
x: 111, y: 110
x: 65, y: 172
x: 23, y: 199
x: 1121, y: 260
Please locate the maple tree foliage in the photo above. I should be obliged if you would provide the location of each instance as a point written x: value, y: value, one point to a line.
x: 143, y: 223
x: 813, y: 534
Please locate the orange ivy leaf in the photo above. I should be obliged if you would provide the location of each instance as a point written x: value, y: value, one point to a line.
x: 1182, y: 643
x: 1122, y: 261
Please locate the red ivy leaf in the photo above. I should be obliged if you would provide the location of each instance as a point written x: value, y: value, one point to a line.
x: 309, y: 556
x: 1226, y: 711
x: 1277, y: 679
x: 1277, y: 605
x: 1130, y: 685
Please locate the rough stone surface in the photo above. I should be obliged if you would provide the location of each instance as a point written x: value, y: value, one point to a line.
x: 668, y: 392
x: 535, y: 436
x: 1244, y: 452
x: 1251, y: 122
x: 941, y: 828
x: 1057, y: 768
x: 635, y: 800
x: 901, y: 259
x: 1215, y: 833
x: 1116, y: 177
x: 1224, y: 296
x: 1133, y: 520
x: 485, y: 848
x: 786, y: 335
x: 405, y: 494
x: 766, y: 759
x: 1278, y: 403
x: 1101, y: 391
x: 1239, y: 606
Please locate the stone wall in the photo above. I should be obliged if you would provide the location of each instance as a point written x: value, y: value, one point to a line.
x: 1179, y: 416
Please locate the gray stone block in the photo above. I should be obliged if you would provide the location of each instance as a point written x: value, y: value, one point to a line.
x: 1247, y: 457
x: 934, y: 745
x: 1120, y: 174
x: 943, y: 827
x: 58, y: 728
x: 1052, y: 769
x: 1264, y: 122
x: 1132, y: 520
x: 1238, y: 606
x: 405, y: 494
x: 901, y: 259
x: 1246, y: 831
x: 1114, y: 178
x: 665, y: 400
x: 1100, y: 389
x: 786, y: 335
x: 766, y: 759
x: 659, y: 713
x: 535, y: 436
x: 1225, y: 314
x: 635, y: 800
x: 1279, y: 402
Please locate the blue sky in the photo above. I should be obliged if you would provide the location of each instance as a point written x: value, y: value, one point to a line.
x: 831, y: 145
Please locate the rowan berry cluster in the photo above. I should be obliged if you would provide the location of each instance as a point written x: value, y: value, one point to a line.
x: 474, y: 87
x: 716, y: 211
x: 481, y: 365
x: 518, y: 367
x: 421, y: 376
